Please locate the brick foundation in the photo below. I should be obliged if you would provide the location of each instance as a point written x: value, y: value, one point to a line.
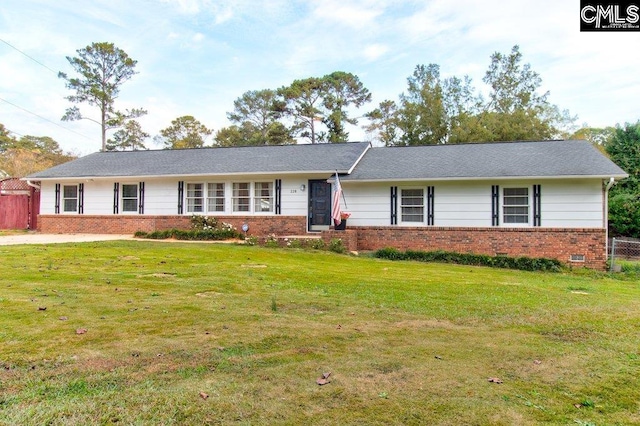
x: 553, y: 243
x: 97, y: 224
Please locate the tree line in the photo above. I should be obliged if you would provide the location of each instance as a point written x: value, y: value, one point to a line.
x: 28, y: 154
x: 432, y: 110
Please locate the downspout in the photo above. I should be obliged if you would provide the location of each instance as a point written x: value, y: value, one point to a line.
x: 609, y: 185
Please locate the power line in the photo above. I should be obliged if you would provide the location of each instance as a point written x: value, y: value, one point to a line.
x: 30, y: 57
x: 45, y: 119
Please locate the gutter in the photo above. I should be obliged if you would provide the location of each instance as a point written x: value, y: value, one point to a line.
x: 33, y: 185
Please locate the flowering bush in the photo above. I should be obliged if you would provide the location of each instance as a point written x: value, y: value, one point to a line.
x: 345, y: 215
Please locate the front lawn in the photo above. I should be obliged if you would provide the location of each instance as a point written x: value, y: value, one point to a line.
x: 143, y: 332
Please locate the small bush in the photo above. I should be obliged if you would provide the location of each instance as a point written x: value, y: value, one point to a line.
x: 337, y: 246
x: 317, y: 244
x: 295, y: 243
x: 271, y: 241
x: 191, y: 235
x: 522, y: 263
x: 203, y: 223
x: 251, y: 241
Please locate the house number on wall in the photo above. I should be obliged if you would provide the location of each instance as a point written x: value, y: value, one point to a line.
x: 293, y: 191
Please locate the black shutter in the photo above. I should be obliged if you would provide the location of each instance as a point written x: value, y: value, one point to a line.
x: 57, y: 207
x: 537, y: 210
x: 394, y: 205
x: 430, y: 209
x: 495, y: 205
x: 141, y: 198
x: 278, y: 196
x: 81, y: 198
x: 180, y: 196
x: 116, y: 198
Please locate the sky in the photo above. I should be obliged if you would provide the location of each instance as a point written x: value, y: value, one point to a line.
x: 195, y: 57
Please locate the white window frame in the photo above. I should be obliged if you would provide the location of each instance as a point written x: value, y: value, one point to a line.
x: 263, y: 197
x: 124, y: 198
x: 191, y: 198
x: 237, y: 196
x: 513, y: 208
x: 404, y: 205
x: 65, y: 198
x: 216, y: 202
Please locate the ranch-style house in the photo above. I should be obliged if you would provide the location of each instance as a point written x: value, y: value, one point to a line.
x: 536, y: 199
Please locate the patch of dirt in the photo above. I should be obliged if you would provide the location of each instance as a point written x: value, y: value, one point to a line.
x: 129, y: 258
x: 253, y: 266
x: 158, y: 275
x: 209, y: 294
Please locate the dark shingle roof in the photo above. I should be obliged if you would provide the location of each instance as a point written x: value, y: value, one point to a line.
x: 432, y: 162
x: 212, y: 161
x: 486, y: 160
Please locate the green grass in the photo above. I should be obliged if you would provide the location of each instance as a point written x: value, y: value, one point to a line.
x: 253, y: 328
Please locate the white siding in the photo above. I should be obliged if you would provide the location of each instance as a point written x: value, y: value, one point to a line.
x: 564, y: 203
x: 47, y: 197
x: 576, y: 203
x: 572, y: 204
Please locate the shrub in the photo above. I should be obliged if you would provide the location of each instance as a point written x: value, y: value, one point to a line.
x: 271, y: 241
x: 295, y: 243
x: 522, y: 263
x: 203, y: 223
x: 193, y: 234
x: 317, y: 244
x: 337, y: 246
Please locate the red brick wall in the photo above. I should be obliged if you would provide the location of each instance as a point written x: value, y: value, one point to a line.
x: 553, y: 243
x: 124, y: 224
x: 531, y: 242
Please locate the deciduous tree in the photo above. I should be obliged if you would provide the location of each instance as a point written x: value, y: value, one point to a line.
x: 436, y: 110
x: 31, y: 154
x: 624, y: 202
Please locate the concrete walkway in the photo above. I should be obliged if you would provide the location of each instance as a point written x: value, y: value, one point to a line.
x: 38, y: 238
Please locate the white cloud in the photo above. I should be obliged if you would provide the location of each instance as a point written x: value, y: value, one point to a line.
x: 358, y: 15
x: 375, y: 51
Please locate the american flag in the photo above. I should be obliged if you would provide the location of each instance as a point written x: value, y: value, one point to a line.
x: 336, y: 210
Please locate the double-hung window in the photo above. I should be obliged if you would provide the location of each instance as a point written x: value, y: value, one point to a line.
x: 70, y: 198
x: 263, y: 197
x: 215, y: 197
x: 515, y: 206
x: 412, y: 205
x: 129, y: 197
x: 195, y: 197
x: 241, y: 197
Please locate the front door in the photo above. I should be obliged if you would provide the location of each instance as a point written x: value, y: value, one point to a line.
x: 319, y: 205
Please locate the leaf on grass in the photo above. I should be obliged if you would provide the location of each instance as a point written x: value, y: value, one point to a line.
x: 42, y: 308
x: 63, y: 318
x: 81, y: 331
x: 324, y: 379
x: 203, y: 395
x: 495, y: 380
x: 537, y: 362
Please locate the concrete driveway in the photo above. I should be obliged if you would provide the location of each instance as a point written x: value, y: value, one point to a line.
x: 38, y: 238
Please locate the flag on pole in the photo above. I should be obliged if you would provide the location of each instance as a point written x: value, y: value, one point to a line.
x: 336, y: 210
